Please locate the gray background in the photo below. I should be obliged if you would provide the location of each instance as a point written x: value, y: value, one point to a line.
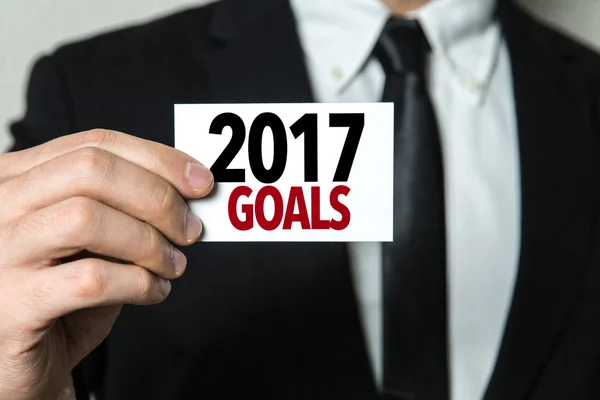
x: 33, y: 27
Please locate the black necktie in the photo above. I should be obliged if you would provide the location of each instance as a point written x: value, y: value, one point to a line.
x: 415, y: 360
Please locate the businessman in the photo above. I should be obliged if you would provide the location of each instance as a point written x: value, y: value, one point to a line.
x: 490, y: 290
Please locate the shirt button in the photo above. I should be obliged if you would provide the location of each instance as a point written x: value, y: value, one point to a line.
x: 337, y: 73
x: 473, y: 85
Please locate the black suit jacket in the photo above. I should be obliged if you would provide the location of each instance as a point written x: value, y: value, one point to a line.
x: 280, y: 321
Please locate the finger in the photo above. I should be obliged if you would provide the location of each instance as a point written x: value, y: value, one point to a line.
x: 187, y: 174
x: 89, y: 283
x: 108, y: 178
x: 78, y: 224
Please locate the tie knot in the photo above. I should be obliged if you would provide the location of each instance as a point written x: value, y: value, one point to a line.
x: 402, y: 46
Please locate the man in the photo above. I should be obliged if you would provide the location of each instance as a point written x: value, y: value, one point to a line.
x: 517, y: 114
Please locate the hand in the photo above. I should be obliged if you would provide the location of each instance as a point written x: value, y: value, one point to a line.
x: 86, y: 225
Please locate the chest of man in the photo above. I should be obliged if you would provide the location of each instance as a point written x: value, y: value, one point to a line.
x: 283, y: 319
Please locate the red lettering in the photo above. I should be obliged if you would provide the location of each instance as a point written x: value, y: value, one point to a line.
x: 261, y: 219
x: 296, y: 197
x: 315, y: 198
x: 250, y: 211
x: 237, y: 223
x: 339, y: 207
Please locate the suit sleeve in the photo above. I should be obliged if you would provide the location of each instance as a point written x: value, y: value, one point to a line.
x: 48, y: 109
x: 50, y: 114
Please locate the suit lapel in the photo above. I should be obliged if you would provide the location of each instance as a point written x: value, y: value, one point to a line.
x: 556, y: 182
x: 257, y: 58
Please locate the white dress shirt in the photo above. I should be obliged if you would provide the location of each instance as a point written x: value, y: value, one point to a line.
x: 470, y: 84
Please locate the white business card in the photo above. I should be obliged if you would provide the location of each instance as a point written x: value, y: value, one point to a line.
x: 314, y: 172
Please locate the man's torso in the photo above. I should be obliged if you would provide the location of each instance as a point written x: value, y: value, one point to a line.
x: 258, y: 318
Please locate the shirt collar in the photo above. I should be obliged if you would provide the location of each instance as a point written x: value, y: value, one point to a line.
x: 465, y: 34
x: 461, y: 32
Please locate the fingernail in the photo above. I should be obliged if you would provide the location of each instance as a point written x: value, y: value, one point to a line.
x: 179, y: 261
x: 193, y: 227
x: 165, y: 286
x: 199, y: 176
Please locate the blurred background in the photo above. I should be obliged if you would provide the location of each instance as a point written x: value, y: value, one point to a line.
x: 32, y: 27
